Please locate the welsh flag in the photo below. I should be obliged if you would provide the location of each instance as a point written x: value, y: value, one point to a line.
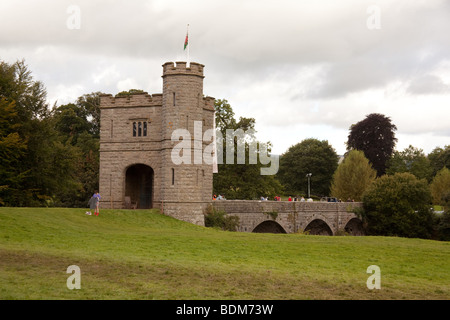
x: 186, y: 42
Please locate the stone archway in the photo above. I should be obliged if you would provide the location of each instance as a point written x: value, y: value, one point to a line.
x: 354, y: 227
x: 139, y: 185
x: 269, y: 226
x: 318, y: 227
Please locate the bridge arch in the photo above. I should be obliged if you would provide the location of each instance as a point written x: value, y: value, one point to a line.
x: 354, y: 227
x: 269, y: 226
x: 318, y: 227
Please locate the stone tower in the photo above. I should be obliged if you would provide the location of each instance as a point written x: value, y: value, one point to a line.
x: 136, y: 163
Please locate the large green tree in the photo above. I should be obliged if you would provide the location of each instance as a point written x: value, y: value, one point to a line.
x: 352, y: 177
x: 375, y: 136
x: 49, y: 157
x: 31, y: 111
x: 237, y: 180
x: 398, y: 205
x: 309, y: 156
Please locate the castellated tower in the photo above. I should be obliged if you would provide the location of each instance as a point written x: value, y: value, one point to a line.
x: 136, y: 148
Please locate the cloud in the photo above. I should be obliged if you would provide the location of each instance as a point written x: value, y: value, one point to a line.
x: 298, y: 67
x: 428, y: 84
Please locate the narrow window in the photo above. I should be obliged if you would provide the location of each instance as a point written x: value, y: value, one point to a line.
x: 134, y: 129
x: 111, y: 129
x: 139, y: 129
x: 174, y: 99
x: 145, y: 129
x: 173, y: 176
x: 187, y: 122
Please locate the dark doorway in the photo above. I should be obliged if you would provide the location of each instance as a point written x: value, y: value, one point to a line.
x: 139, y: 185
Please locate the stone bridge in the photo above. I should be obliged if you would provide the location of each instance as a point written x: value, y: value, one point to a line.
x: 318, y: 218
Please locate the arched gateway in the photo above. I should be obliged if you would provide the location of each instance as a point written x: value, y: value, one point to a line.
x: 139, y: 185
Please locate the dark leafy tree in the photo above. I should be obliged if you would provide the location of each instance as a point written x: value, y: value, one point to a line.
x: 375, y: 136
x: 12, y: 149
x: 309, y: 156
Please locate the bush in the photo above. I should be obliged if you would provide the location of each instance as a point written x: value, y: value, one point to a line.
x: 398, y: 205
x: 218, y: 219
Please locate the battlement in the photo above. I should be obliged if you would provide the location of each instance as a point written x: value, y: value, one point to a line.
x: 194, y: 69
x: 133, y: 100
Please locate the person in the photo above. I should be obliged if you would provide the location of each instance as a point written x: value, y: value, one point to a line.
x: 97, y: 202
x: 214, y: 197
x: 289, y: 199
x: 92, y: 205
x: 302, y: 199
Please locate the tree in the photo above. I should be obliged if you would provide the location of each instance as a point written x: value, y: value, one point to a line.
x: 375, y: 136
x: 410, y: 160
x: 398, y: 205
x: 240, y: 181
x: 352, y: 177
x: 439, y: 158
x: 43, y: 150
x: 440, y: 186
x: 28, y: 96
x: 12, y: 148
x: 309, y: 156
x: 78, y: 124
x: 443, y: 220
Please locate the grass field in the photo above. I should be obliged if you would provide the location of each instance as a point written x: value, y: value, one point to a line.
x: 144, y: 255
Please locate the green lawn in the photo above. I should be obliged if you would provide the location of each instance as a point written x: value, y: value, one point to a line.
x: 124, y: 254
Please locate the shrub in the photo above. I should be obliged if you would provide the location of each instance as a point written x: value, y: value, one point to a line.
x: 398, y: 205
x: 218, y: 219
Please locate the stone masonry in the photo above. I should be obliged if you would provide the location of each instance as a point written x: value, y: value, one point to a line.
x: 136, y: 168
x: 319, y: 218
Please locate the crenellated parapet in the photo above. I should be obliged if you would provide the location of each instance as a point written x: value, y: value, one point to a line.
x: 133, y: 100
x: 181, y: 68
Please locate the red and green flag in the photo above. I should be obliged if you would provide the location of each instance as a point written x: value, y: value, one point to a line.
x: 186, y: 42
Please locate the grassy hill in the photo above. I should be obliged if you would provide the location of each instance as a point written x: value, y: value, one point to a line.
x: 144, y: 255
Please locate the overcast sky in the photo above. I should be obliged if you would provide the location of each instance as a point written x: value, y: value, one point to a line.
x: 302, y: 69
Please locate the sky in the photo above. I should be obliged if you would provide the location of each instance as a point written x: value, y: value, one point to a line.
x: 302, y: 69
